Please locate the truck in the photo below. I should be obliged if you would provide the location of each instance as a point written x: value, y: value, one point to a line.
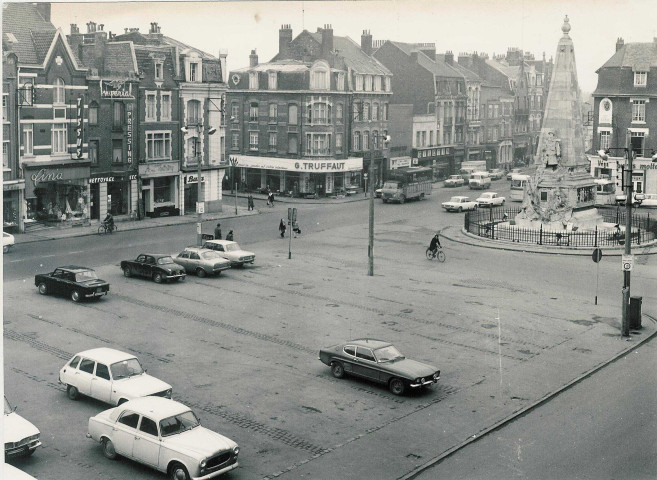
x: 407, y: 183
x: 471, y: 166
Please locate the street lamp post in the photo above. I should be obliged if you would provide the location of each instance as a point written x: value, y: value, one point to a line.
x: 233, y: 161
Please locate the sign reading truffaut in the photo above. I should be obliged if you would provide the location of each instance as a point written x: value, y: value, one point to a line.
x: 309, y: 166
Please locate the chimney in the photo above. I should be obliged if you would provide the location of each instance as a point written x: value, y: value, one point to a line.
x: 91, y: 27
x: 74, y: 29
x: 449, y: 57
x: 619, y: 43
x: 44, y: 10
x: 327, y: 40
x: 366, y: 42
x: 253, y: 59
x: 284, y: 40
x: 155, y: 28
x: 100, y: 27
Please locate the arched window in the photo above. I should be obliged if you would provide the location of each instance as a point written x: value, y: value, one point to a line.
x: 58, y: 91
x: 193, y: 112
x: 319, y: 76
x: 366, y: 140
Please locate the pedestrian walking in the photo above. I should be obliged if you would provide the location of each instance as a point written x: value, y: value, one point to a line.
x: 250, y: 202
x: 282, y: 227
x: 296, y: 229
x: 217, y: 232
x: 270, y: 199
x: 229, y: 237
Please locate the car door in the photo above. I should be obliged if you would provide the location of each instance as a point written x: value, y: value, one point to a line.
x: 54, y: 281
x: 349, y: 358
x: 138, y: 265
x: 146, y: 447
x: 83, y: 375
x: 124, y: 432
x: 366, y: 363
x: 183, y: 260
x: 101, y: 385
x: 67, y: 283
x: 149, y: 266
x: 194, y: 261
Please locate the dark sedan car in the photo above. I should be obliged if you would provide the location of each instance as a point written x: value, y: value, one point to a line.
x: 158, y: 267
x: 77, y: 282
x: 378, y: 361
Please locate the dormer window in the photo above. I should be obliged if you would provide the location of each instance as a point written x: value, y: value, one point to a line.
x: 340, y: 82
x: 193, y: 72
x: 253, y: 80
x: 319, y: 77
x: 359, y: 83
x: 368, y: 83
x: 273, y: 81
x: 640, y: 79
x: 387, y: 84
x: 159, y: 71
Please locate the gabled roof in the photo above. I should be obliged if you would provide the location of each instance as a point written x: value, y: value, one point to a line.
x: 439, y: 69
x: 638, y: 55
x: 32, y: 32
x: 469, y: 75
x: 509, y: 71
x: 353, y: 56
x: 184, y: 48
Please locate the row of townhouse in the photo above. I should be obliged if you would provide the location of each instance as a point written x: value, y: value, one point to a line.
x: 96, y: 122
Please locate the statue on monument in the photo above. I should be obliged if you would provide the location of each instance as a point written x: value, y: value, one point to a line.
x: 551, y: 152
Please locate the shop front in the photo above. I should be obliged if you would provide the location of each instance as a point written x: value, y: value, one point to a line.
x: 12, y: 195
x: 441, y: 159
x: 115, y: 193
x: 211, y: 190
x: 57, y: 193
x: 160, y: 187
x: 299, y: 177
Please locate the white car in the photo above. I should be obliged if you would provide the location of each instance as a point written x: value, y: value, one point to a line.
x: 458, y: 204
x: 490, y: 199
x: 496, y: 173
x: 648, y: 200
x: 166, y: 436
x: 21, y: 437
x: 514, y: 171
x: 7, y: 241
x: 110, y: 376
x: 455, y: 181
x: 231, y: 251
x: 9, y: 472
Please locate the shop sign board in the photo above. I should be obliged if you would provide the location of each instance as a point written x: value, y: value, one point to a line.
x: 398, y: 162
x: 193, y: 178
x: 158, y: 169
x: 48, y: 175
x: 129, y: 132
x: 300, y: 165
x: 113, y: 178
x: 116, y: 89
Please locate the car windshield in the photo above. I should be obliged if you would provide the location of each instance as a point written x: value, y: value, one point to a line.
x: 455, y: 199
x: 126, y: 368
x: 388, y: 354
x: 210, y: 255
x: 8, y: 408
x: 85, y: 276
x: 454, y: 177
x: 165, y: 261
x: 179, y: 423
x: 391, y: 185
x: 232, y: 247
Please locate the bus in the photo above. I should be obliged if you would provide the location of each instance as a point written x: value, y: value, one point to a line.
x: 406, y: 183
x: 518, y: 182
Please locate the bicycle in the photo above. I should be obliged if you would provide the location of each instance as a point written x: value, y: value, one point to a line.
x: 437, y: 253
x: 107, y: 228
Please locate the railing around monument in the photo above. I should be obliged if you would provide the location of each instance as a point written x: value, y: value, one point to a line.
x: 494, y: 224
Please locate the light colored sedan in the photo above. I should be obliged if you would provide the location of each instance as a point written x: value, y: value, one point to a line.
x: 166, y: 436
x: 7, y: 241
x: 202, y: 261
x: 110, y: 376
x: 490, y: 199
x: 455, y: 181
x: 647, y: 200
x: 21, y: 437
x: 459, y: 204
x: 230, y: 251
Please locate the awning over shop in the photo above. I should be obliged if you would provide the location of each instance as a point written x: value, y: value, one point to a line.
x: 299, y: 164
x: 37, y: 173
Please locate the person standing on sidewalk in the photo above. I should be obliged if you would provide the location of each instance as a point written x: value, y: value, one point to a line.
x: 282, y: 228
x: 250, y: 202
x: 229, y: 237
x: 217, y: 232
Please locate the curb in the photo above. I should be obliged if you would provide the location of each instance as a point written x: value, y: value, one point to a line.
x: 523, y: 411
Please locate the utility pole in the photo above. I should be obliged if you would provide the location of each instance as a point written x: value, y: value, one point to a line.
x: 627, y: 183
x: 370, y: 249
x: 200, y: 205
x: 233, y: 162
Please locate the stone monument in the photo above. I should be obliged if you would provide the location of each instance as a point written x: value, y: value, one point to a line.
x: 561, y: 193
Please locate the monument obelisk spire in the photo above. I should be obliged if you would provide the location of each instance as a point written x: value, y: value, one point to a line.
x: 562, y: 120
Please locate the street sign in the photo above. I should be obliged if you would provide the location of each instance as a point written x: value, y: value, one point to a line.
x: 597, y: 255
x: 292, y: 214
x: 628, y: 262
x: 200, y: 207
x: 198, y: 228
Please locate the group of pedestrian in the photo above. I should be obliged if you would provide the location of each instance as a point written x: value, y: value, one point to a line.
x: 217, y: 233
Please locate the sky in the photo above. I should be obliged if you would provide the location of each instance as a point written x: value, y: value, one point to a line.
x: 490, y: 26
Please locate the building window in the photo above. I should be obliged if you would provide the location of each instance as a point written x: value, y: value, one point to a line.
x: 366, y: 140
x: 273, y: 81
x: 118, y: 114
x: 117, y: 151
x: 387, y: 84
x: 292, y: 115
x: 158, y: 145
x: 93, y: 113
x: 377, y: 83
x: 151, y: 107
x: 193, y: 72
x: 162, y: 189
x: 235, y: 112
x: 253, y: 141
x: 165, y: 106
x: 319, y: 112
x: 192, y: 148
x: 235, y: 141
x: 253, y: 80
x: 28, y: 139
x: 366, y: 112
x: 253, y: 112
x: 59, y: 137
x: 273, y: 138
x: 193, y: 112
x: 637, y: 139
x: 338, y: 111
x: 319, y: 79
x: 605, y: 140
x: 340, y: 81
x: 5, y: 154
x: 318, y: 144
x: 159, y: 71
x: 4, y: 107
x: 368, y: 83
x: 356, y: 112
x: 338, y: 142
x: 93, y: 152
x: 638, y: 110
x: 273, y: 112
x: 640, y: 79
x: 375, y: 111
x: 359, y: 83
x: 386, y: 111
x: 356, y: 146
x: 59, y: 91
x: 292, y: 144
x: 418, y: 142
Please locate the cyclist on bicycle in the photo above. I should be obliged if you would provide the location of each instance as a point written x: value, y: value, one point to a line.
x: 109, y: 221
x: 435, y: 244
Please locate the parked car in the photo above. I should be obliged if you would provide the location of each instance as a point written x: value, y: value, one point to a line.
x: 110, y: 376
x: 166, y: 436
x: 160, y: 268
x: 21, y: 437
x: 512, y: 172
x: 202, y: 261
x: 230, y: 251
x: 379, y: 361
x: 621, y: 199
x: 496, y: 173
x: 455, y: 181
x: 490, y: 199
x: 479, y: 180
x: 77, y: 282
x: 647, y: 200
x: 378, y: 193
x: 7, y: 242
x: 458, y: 204
x: 9, y: 472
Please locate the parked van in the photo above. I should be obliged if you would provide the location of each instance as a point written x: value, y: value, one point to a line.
x: 479, y: 180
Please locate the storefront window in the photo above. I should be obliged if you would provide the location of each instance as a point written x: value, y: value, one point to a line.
x: 117, y: 198
x: 162, y: 190
x: 57, y: 202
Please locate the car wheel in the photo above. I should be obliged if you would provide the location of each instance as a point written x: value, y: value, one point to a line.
x: 402, y: 199
x: 72, y: 392
x: 157, y: 278
x: 503, y: 201
x: 385, y: 200
x: 127, y: 272
x: 43, y: 290
x: 397, y: 386
x: 181, y: 279
x: 337, y: 369
x: 75, y: 296
x: 5, y: 248
x: 422, y: 196
x: 460, y: 209
x: 200, y: 273
x: 178, y: 472
x: 108, y: 449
